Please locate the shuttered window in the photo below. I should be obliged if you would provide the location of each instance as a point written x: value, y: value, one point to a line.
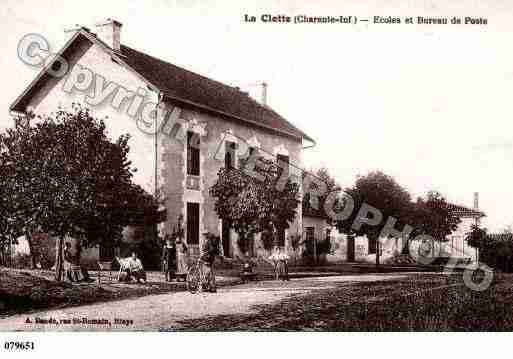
x: 310, y: 233
x: 193, y: 154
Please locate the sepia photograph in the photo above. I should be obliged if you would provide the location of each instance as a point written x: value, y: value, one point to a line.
x: 300, y: 166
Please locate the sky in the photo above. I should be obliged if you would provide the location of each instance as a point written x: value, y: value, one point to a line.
x: 427, y: 104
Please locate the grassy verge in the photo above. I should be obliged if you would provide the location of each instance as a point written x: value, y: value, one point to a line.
x: 24, y: 290
x: 417, y: 303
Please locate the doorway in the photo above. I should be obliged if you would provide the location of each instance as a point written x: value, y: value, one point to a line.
x: 226, y: 238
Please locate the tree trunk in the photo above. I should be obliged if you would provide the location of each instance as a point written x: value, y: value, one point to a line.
x: 28, y: 236
x: 10, y: 254
x: 377, y: 251
x: 58, y: 258
x: 406, y: 247
x: 79, y: 252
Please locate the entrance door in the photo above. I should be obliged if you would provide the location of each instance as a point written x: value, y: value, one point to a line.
x: 225, y: 234
x: 350, y: 249
x: 106, y: 253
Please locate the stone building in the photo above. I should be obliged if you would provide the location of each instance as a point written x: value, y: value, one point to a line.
x: 184, y: 127
x: 455, y: 246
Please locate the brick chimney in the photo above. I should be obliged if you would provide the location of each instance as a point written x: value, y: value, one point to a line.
x: 109, y: 31
x: 264, y: 94
x: 476, y: 201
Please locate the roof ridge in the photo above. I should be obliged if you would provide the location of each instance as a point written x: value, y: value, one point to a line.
x: 186, y: 86
x: 182, y: 68
x: 290, y: 127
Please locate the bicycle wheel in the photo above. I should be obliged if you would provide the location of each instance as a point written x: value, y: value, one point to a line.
x: 193, y: 279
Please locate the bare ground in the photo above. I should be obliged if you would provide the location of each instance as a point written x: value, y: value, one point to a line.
x: 172, y: 311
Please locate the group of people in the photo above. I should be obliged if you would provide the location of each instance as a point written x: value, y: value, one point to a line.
x: 131, y: 267
x: 175, y: 262
x: 174, y: 258
x: 280, y: 260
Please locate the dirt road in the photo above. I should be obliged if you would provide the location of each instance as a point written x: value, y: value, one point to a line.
x: 165, y: 311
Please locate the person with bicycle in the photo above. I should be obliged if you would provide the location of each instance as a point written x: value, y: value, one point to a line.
x: 208, y: 252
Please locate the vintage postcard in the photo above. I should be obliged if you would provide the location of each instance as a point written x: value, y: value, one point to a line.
x: 333, y: 166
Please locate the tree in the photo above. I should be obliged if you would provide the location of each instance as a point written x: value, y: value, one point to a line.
x: 17, y: 213
x: 432, y: 216
x: 322, y: 175
x: 71, y: 180
x: 255, y: 203
x: 9, y: 229
x: 296, y: 241
x: 386, y: 195
x: 477, y: 237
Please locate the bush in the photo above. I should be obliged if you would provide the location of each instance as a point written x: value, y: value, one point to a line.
x: 498, y: 255
x: 323, y: 247
x: 22, y: 260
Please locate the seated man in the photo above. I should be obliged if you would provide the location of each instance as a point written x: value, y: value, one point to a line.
x: 133, y: 267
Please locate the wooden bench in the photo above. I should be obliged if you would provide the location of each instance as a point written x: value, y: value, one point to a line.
x: 106, y: 267
x: 181, y: 277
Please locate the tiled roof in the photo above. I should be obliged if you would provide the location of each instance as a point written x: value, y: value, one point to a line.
x: 462, y: 211
x: 505, y: 237
x: 180, y: 84
x: 186, y: 87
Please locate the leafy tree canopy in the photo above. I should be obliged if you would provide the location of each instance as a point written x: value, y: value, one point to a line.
x: 68, y: 179
x: 255, y: 203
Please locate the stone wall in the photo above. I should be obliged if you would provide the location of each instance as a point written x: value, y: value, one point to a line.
x: 215, y: 132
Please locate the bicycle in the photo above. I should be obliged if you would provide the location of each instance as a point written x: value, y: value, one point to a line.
x: 195, y: 277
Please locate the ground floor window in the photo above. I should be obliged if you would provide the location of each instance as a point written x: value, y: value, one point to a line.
x: 310, y: 233
x: 193, y: 216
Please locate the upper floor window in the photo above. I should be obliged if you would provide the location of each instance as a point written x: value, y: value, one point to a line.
x: 193, y: 154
